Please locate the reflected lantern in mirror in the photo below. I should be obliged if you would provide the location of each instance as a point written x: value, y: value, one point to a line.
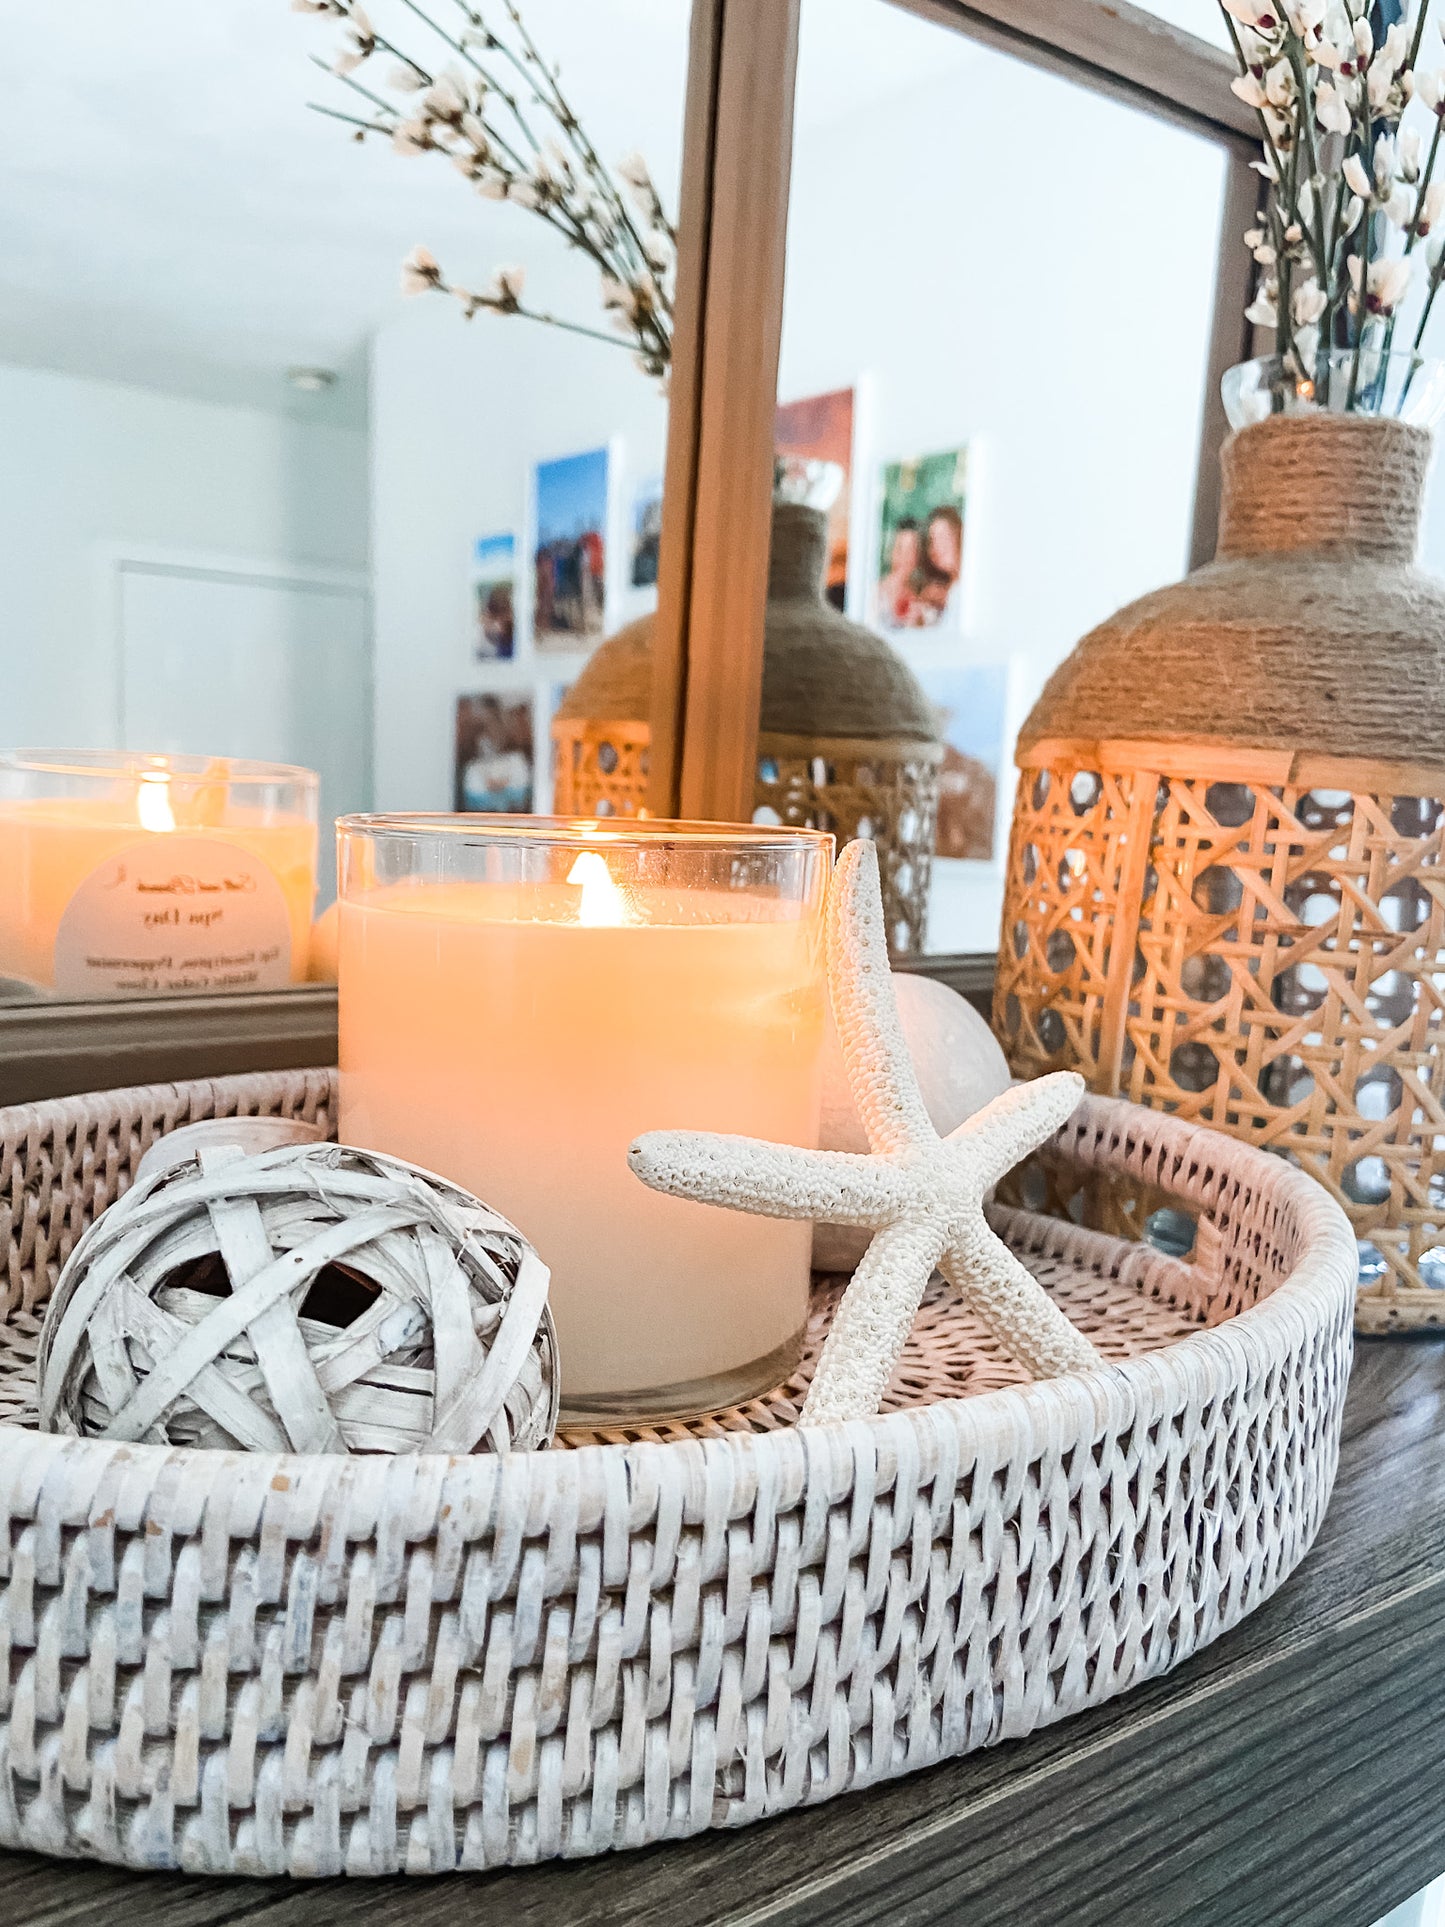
x: 128, y: 875
x: 847, y: 739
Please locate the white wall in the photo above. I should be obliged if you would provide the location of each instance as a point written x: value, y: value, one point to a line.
x: 1014, y: 264
x: 994, y: 256
x: 88, y: 465
x: 1424, y: 1909
x: 460, y: 413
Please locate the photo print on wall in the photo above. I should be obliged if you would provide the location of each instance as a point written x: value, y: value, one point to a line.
x: 494, y: 760
x: 571, y: 553
x: 972, y: 705
x: 921, y: 530
x: 494, y: 582
x: 646, y: 534
x: 819, y: 428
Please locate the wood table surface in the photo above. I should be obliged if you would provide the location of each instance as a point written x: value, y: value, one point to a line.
x: 1294, y: 1772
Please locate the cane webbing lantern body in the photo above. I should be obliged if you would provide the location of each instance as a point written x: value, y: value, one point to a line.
x: 601, y: 765
x: 1226, y: 875
x: 847, y: 739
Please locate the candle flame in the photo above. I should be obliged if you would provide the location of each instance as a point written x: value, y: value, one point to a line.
x: 603, y: 904
x: 153, y: 802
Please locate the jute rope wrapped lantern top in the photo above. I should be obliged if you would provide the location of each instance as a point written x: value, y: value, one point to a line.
x: 1225, y: 891
x: 847, y: 738
x: 1311, y: 631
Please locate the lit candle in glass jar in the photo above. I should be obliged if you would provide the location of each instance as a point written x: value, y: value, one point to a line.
x: 124, y: 875
x: 521, y: 998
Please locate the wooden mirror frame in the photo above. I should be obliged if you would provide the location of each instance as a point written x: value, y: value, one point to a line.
x: 733, y: 212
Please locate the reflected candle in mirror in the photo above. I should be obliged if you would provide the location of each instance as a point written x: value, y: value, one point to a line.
x: 124, y: 875
x: 520, y: 999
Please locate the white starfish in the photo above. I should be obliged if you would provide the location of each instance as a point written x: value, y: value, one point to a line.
x: 921, y: 1195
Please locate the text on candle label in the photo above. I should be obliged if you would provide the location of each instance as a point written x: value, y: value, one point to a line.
x: 172, y: 914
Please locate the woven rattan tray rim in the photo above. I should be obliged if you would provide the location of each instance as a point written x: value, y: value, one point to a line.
x: 1079, y: 1407
x: 276, y: 1663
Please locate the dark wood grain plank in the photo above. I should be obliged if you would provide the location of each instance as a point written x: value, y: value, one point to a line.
x: 1288, y: 1776
x: 53, y: 1049
x: 1231, y: 339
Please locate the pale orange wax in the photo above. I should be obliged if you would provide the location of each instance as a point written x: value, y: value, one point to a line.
x: 488, y: 1035
x: 51, y: 847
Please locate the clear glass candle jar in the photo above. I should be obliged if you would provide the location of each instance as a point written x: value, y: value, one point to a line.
x: 522, y: 997
x: 126, y: 875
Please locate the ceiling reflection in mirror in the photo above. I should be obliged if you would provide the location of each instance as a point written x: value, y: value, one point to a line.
x: 308, y: 509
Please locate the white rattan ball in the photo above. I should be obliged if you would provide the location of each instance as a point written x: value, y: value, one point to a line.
x: 315, y: 1298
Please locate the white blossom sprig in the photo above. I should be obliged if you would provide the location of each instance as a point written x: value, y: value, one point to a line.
x: 485, y: 98
x: 1350, y: 195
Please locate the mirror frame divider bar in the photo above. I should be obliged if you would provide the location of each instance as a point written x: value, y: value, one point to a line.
x: 684, y: 425
x: 713, y: 573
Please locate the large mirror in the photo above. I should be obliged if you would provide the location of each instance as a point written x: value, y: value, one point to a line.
x: 264, y: 509
x: 260, y: 507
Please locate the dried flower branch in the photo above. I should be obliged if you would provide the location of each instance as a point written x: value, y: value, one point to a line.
x: 1349, y: 198
x: 487, y: 100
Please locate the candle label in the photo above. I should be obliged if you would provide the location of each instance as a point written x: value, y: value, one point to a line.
x: 174, y: 914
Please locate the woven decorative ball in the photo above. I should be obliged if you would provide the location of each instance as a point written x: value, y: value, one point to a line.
x: 315, y: 1298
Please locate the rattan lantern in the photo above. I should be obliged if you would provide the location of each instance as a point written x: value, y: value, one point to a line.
x: 1226, y: 877
x: 847, y: 741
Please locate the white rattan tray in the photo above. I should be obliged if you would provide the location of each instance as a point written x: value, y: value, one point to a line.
x: 255, y: 1664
